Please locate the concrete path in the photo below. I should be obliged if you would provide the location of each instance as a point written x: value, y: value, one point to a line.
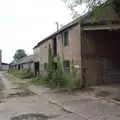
x: 15, y: 104
x: 58, y: 106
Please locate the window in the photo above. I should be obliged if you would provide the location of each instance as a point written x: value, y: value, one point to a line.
x: 55, y: 46
x: 65, y: 37
x: 66, y: 65
x: 54, y: 66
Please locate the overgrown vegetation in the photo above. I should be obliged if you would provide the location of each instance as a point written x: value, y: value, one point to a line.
x: 24, y: 74
x: 57, y: 77
x: 99, y: 7
x: 20, y: 53
x: 67, y: 81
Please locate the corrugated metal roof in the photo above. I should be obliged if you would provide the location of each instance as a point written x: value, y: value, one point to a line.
x: 26, y: 59
x: 13, y: 62
x: 4, y: 63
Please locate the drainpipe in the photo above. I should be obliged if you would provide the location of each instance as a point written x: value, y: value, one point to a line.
x: 81, y: 54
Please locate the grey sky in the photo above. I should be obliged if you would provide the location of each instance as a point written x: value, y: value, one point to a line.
x: 25, y: 22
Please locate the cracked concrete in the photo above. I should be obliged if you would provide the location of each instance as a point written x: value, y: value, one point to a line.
x: 23, y: 105
x: 65, y: 106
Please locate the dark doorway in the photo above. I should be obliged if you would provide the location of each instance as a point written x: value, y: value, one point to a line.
x: 55, y: 46
x: 101, y: 57
x: 18, y: 67
x: 36, y: 67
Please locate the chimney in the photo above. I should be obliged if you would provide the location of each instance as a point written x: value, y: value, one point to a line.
x: 57, y: 24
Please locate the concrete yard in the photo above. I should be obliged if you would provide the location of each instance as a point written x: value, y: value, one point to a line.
x: 46, y: 104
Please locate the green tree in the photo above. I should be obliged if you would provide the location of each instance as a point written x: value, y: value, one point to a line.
x: 20, y: 53
x: 50, y: 63
x: 75, y: 6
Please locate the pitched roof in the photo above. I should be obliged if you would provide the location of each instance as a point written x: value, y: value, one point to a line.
x: 4, y: 63
x: 109, y: 15
x: 13, y: 62
x: 26, y: 59
x: 73, y: 23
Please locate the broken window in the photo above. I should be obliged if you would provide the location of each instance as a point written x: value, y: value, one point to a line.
x: 54, y: 65
x: 55, y: 46
x: 65, y: 36
x: 66, y: 65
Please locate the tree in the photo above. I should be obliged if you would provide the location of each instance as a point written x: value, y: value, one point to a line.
x: 92, y: 5
x: 20, y: 53
x: 50, y: 62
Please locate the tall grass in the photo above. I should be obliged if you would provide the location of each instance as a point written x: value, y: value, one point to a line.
x: 24, y: 74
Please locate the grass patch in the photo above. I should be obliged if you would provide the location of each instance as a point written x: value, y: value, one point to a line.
x: 23, y: 74
x: 58, y: 74
x: 65, y: 81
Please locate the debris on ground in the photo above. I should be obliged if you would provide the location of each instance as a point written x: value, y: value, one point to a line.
x: 103, y: 94
x: 30, y: 116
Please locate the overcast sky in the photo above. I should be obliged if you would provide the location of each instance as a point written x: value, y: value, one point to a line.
x: 23, y: 23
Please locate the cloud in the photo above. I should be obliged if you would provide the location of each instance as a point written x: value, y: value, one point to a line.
x: 25, y: 22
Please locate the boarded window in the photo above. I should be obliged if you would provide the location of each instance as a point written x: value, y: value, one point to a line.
x: 65, y: 36
x: 66, y: 65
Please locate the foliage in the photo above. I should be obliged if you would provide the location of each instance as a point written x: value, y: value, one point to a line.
x: 91, y: 5
x: 57, y: 77
x: 20, y: 53
x: 66, y: 80
x: 57, y: 73
x: 50, y: 63
x: 37, y: 80
x: 24, y: 74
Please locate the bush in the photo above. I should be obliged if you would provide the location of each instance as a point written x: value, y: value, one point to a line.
x: 39, y: 80
x: 24, y: 74
x: 66, y: 80
x: 56, y: 76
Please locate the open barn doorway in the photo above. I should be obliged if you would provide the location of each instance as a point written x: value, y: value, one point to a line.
x: 101, y: 56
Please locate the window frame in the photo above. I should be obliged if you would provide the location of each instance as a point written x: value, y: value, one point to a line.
x: 65, y: 38
x: 66, y: 65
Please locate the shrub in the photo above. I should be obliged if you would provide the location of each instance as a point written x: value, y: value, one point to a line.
x: 57, y: 77
x: 40, y: 80
x: 24, y: 74
x: 66, y: 80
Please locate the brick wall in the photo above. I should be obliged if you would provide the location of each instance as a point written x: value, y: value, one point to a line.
x: 70, y: 52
